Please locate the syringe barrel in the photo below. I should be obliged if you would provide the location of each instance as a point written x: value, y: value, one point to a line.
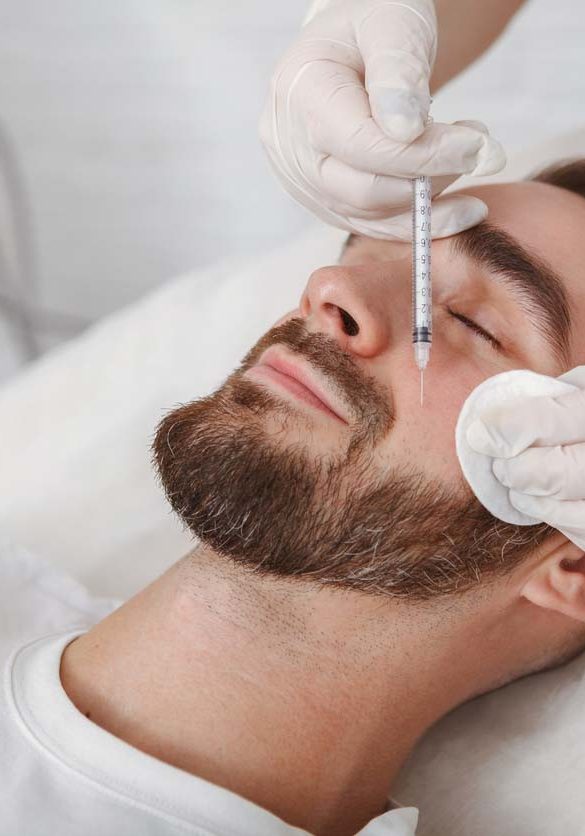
x: 422, y: 303
x: 422, y: 353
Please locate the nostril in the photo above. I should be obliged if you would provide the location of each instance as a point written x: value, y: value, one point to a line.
x: 350, y: 326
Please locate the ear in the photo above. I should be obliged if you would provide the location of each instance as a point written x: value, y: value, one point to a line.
x: 558, y: 581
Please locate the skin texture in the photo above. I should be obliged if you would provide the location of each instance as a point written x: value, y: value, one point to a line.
x: 329, y: 689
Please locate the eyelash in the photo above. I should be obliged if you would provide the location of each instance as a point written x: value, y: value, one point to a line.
x: 473, y: 326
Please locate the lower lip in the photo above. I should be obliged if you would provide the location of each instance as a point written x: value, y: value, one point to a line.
x: 295, y: 387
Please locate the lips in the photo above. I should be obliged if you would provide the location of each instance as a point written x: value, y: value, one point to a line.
x: 298, y: 379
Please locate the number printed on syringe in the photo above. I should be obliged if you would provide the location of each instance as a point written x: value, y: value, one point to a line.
x: 422, y: 303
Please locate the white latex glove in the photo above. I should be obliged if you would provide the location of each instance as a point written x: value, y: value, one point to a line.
x: 345, y: 124
x: 539, y: 454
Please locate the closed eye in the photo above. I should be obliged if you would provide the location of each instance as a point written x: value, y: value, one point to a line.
x: 473, y: 326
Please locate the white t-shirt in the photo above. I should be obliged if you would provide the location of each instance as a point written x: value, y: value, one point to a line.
x: 62, y: 774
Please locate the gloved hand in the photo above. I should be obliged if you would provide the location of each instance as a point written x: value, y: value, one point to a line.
x: 539, y: 454
x: 345, y: 124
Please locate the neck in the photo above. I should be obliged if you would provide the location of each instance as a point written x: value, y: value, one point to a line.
x: 304, y: 701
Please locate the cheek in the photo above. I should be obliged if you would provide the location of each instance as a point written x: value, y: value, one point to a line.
x: 424, y: 436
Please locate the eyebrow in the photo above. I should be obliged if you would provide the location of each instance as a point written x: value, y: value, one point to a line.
x: 540, y: 291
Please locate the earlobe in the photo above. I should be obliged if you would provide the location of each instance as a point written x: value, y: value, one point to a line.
x: 558, y: 582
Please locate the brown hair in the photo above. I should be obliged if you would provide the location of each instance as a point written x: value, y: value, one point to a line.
x: 569, y: 175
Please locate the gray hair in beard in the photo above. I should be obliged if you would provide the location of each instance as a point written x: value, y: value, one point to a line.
x: 283, y: 512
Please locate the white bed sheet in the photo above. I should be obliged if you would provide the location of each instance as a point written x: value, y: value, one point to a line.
x: 76, y: 487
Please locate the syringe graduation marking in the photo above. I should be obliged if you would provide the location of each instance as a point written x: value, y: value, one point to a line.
x: 422, y: 304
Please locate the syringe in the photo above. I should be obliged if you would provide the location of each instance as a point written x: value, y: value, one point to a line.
x: 422, y: 303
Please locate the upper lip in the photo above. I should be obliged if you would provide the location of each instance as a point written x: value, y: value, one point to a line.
x: 301, y: 372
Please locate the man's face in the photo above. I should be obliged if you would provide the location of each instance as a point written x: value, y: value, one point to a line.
x: 368, y: 494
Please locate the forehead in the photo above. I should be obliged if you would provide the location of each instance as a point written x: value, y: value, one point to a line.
x: 545, y: 219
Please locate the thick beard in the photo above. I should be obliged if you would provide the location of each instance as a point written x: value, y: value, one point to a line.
x: 281, y: 511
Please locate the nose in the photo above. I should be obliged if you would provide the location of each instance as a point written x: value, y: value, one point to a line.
x: 349, y: 305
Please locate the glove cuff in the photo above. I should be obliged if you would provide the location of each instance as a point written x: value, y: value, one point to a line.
x: 425, y: 8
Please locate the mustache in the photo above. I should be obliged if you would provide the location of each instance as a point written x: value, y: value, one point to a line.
x: 372, y: 406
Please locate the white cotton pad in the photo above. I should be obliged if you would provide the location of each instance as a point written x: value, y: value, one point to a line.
x: 477, y: 468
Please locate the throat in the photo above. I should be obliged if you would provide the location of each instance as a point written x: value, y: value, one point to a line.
x: 301, y: 701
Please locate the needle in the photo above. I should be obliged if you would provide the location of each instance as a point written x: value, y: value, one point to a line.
x: 421, y: 386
